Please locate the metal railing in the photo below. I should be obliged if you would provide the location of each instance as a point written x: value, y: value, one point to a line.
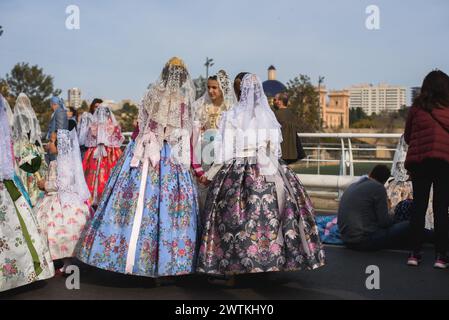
x: 346, y: 150
x: 347, y: 153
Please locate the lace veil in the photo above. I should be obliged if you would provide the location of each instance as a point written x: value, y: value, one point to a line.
x: 72, y: 187
x: 8, y: 111
x: 26, y: 126
x: 83, y: 127
x: 6, y: 151
x: 249, y: 127
x: 104, y: 129
x: 166, y: 114
x: 398, y: 170
x: 228, y: 95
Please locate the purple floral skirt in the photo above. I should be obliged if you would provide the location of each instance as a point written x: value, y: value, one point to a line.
x: 254, y: 223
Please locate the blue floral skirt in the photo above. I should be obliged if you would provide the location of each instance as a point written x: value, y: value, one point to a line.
x: 166, y: 239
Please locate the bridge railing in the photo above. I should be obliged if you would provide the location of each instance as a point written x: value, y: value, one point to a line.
x: 347, y: 150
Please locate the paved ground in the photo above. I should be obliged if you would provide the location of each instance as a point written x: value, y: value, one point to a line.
x: 343, y: 278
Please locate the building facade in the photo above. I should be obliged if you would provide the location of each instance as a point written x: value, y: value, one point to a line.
x: 74, y: 98
x: 334, y: 109
x: 415, y: 92
x: 272, y: 86
x: 377, y: 99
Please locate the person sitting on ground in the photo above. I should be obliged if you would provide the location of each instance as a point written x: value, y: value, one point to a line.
x: 363, y: 217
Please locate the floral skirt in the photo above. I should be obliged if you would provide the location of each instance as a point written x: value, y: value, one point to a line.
x: 400, y: 196
x: 158, y: 240
x: 62, y: 226
x: 258, y: 223
x: 29, y: 180
x: 97, y: 172
x: 24, y: 254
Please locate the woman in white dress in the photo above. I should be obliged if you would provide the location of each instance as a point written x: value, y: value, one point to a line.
x: 64, y: 210
x: 24, y: 254
x: 28, y: 147
x: 208, y: 109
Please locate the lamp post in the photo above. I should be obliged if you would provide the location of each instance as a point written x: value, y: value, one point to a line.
x: 320, y: 82
x: 320, y: 120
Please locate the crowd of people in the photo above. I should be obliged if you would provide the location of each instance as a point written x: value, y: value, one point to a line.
x: 412, y: 207
x: 200, y: 188
x: 203, y: 186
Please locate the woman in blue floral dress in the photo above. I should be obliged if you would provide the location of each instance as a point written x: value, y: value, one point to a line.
x: 146, y: 222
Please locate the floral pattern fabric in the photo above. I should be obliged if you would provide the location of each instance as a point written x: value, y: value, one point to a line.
x: 400, y: 193
x: 97, y: 171
x: 61, y: 225
x: 19, y: 231
x: 167, y: 236
x: 246, y: 232
x: 24, y: 151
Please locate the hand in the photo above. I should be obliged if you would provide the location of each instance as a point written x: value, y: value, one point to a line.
x: 203, y: 180
x: 41, y: 185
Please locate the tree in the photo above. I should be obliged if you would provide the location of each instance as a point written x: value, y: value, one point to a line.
x: 38, y: 86
x: 127, y: 116
x: 357, y: 114
x: 4, y: 90
x: 383, y: 121
x: 403, y: 113
x: 34, y: 83
x: 304, y: 100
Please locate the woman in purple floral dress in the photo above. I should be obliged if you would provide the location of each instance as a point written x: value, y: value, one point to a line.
x: 258, y: 217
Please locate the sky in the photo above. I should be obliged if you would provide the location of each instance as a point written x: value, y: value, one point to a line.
x: 121, y: 46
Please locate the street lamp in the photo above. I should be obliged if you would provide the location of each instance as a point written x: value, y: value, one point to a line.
x: 320, y: 82
x: 209, y: 63
x: 320, y: 119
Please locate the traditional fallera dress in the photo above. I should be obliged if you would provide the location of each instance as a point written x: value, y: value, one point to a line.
x: 17, y: 180
x: 24, y: 254
x: 28, y: 148
x: 207, y: 116
x: 83, y: 126
x: 64, y: 210
x: 8, y: 111
x: 400, y: 189
x: 258, y: 216
x: 104, y: 140
x: 146, y: 222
